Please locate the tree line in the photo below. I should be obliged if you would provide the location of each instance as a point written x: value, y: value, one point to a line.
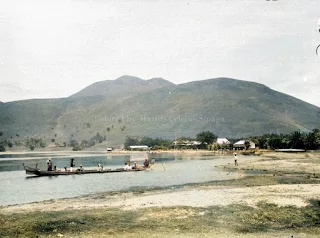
x: 294, y: 140
x: 207, y: 139
x: 33, y: 143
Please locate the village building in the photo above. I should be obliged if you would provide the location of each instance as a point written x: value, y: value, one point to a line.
x: 224, y: 143
x: 186, y: 144
x: 139, y: 147
x: 240, y: 145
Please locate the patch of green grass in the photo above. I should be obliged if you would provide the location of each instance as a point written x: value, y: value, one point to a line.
x: 73, y: 222
x: 272, y: 217
x: 163, y: 220
x: 247, y: 181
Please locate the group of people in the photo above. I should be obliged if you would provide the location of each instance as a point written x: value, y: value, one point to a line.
x: 53, y: 167
x: 127, y: 165
x: 100, y: 167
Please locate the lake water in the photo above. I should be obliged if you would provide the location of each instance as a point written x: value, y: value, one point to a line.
x: 16, y: 187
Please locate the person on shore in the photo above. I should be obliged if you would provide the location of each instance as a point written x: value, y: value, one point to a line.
x: 146, y: 163
x: 235, y: 160
x: 54, y: 167
x: 72, y: 164
x: 49, y: 164
x: 81, y: 168
x: 99, y: 167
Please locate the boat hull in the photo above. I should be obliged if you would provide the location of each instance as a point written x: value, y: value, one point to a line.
x: 37, y: 172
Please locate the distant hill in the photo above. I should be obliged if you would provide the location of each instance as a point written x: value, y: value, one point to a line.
x: 129, y: 106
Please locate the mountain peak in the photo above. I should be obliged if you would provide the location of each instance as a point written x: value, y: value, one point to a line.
x: 122, y: 86
x: 160, y: 81
x: 128, y: 79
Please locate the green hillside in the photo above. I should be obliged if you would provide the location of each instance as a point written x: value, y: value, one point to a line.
x: 158, y: 108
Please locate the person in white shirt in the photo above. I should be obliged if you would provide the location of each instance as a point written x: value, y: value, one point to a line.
x: 126, y: 166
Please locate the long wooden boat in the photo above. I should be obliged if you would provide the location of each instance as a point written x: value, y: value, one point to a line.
x: 37, y: 172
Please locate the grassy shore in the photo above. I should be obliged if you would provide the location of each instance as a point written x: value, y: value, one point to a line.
x: 264, y: 219
x: 284, y: 201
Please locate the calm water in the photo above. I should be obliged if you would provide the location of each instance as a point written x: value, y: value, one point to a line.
x: 16, y: 187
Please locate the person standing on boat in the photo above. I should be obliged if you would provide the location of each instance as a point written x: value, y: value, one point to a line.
x: 49, y: 164
x: 72, y: 164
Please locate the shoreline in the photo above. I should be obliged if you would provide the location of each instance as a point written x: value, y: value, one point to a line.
x: 289, y: 185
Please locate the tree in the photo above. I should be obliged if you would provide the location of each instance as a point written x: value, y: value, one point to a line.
x: 206, y: 137
x: 274, y: 141
x: 247, y: 144
x: 2, y: 148
x: 296, y: 140
x: 9, y: 143
x: 73, y: 143
x: 33, y: 143
x: 316, y: 133
x: 309, y: 141
x: 77, y: 147
x: 84, y: 143
x: 42, y: 144
x: 130, y: 141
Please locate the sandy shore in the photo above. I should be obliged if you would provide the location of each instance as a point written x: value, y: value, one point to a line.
x: 283, y: 195
x: 279, y: 166
x: 199, y: 196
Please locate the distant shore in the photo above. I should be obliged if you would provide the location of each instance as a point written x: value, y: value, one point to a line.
x: 209, y: 152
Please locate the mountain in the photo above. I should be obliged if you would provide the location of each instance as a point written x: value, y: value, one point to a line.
x: 122, y: 86
x: 130, y: 106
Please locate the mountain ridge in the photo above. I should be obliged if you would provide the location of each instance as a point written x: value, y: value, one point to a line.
x: 228, y: 107
x: 122, y: 85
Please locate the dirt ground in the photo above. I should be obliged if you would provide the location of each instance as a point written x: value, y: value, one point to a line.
x: 274, y: 165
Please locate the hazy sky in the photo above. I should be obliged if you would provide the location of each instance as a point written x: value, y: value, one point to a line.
x: 55, y: 48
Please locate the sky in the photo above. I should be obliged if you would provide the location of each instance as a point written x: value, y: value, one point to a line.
x: 54, y: 48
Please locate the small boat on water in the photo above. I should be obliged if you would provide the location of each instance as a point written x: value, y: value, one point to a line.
x: 37, y: 172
